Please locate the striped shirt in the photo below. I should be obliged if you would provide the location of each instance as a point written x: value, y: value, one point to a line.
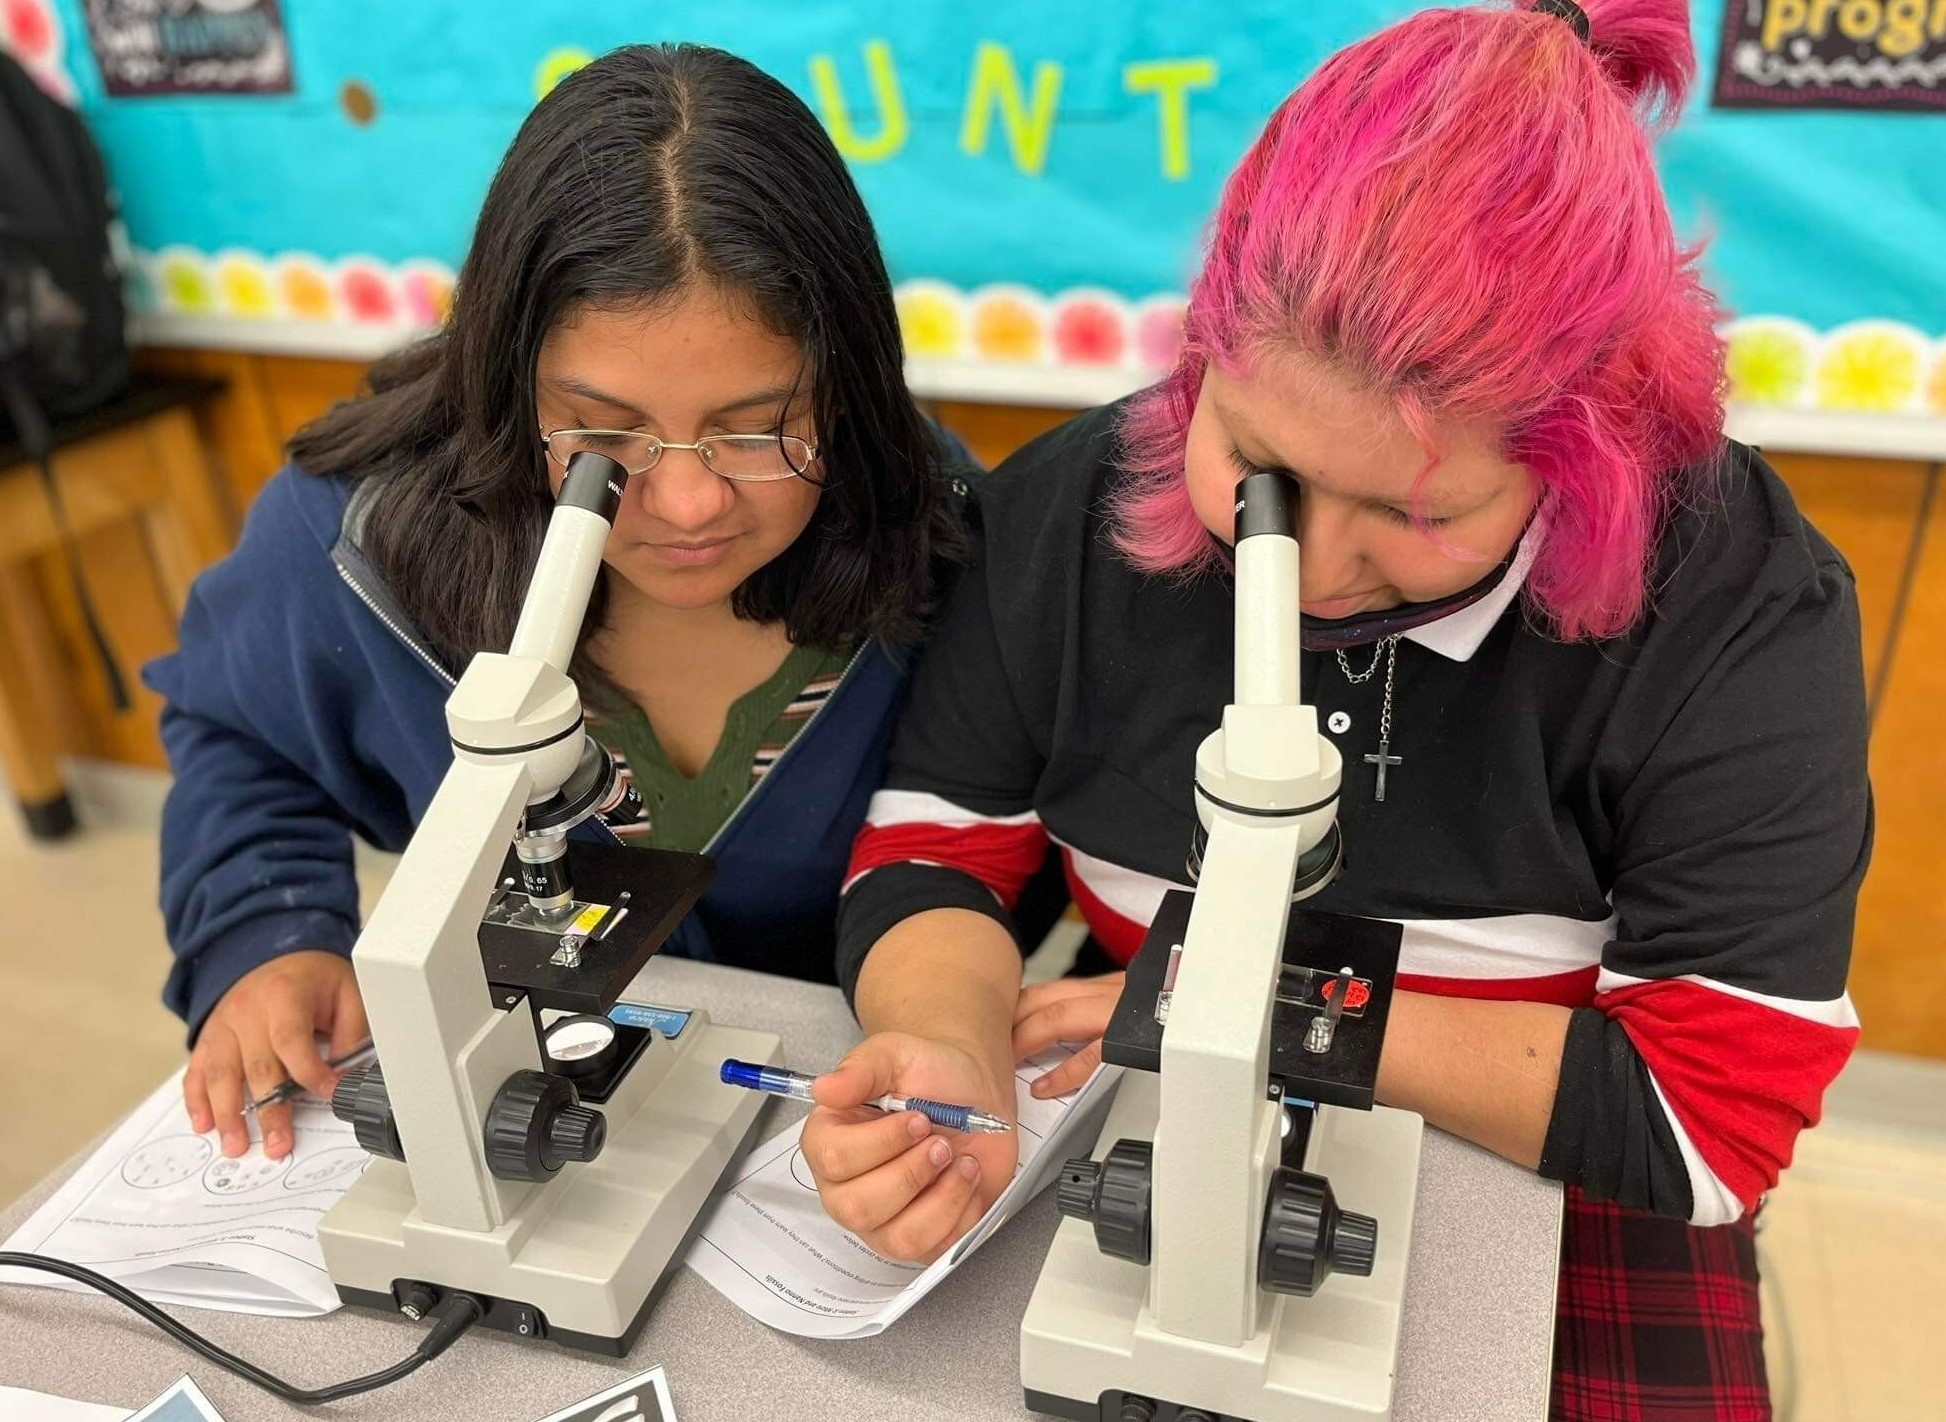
x: 685, y: 812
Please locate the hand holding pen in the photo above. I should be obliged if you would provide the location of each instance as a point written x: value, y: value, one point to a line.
x: 903, y: 1185
x: 782, y: 1081
x: 291, y: 1090
x: 263, y: 1031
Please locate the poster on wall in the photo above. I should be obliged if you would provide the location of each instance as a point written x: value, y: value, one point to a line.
x: 1040, y: 177
x: 152, y: 47
x: 1833, y: 54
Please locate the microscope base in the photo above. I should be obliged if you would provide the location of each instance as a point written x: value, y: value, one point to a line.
x: 584, y: 1255
x: 1088, y: 1341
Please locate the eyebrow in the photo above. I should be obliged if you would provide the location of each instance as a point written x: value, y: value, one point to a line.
x: 572, y: 385
x: 1232, y: 427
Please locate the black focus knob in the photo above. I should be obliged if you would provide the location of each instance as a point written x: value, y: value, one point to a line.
x: 361, y: 1101
x: 1355, y: 1248
x: 576, y: 1133
x: 526, y: 1137
x: 1306, y: 1237
x: 1113, y: 1193
x: 1074, y: 1193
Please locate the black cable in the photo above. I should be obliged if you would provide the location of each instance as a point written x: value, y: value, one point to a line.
x: 452, y: 1318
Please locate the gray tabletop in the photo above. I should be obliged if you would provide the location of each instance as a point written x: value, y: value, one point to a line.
x: 1477, y: 1341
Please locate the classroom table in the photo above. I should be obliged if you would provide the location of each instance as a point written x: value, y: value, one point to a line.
x: 1476, y: 1343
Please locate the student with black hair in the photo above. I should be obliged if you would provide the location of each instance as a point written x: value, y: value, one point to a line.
x: 673, y: 267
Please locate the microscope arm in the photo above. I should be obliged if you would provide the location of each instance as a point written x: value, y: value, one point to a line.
x: 1218, y: 1140
x: 1267, y: 787
x: 515, y: 722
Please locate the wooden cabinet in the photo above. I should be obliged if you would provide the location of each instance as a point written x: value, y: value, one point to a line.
x: 1899, y: 961
x: 267, y: 400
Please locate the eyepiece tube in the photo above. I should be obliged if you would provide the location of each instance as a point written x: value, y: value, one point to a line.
x: 564, y: 576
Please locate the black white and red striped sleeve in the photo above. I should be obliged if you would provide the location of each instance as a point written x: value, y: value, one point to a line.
x: 954, y: 825
x: 1720, y: 1013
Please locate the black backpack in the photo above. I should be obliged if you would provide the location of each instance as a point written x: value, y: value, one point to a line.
x: 63, y: 350
x: 61, y: 315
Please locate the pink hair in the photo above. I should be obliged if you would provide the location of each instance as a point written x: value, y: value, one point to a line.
x: 1461, y: 212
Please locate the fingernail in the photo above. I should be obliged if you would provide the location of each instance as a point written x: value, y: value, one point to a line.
x: 1042, y: 1086
x: 234, y: 1145
x: 275, y: 1144
x: 916, y: 1126
x: 939, y: 1152
x: 969, y: 1168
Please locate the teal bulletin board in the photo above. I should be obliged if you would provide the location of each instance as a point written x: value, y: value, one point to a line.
x: 1039, y: 173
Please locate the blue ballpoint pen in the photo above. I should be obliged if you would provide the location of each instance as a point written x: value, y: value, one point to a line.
x: 781, y: 1081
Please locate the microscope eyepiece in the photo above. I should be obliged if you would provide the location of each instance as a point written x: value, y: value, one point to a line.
x: 1266, y: 503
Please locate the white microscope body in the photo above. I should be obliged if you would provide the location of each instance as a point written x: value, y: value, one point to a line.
x: 500, y: 1181
x: 1200, y: 1291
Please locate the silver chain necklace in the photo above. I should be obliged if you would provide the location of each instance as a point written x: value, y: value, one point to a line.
x: 1388, y: 650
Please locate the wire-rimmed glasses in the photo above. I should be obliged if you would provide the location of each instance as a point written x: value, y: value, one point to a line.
x: 742, y: 458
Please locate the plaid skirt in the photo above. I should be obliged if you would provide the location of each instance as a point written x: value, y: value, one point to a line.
x: 1656, y: 1321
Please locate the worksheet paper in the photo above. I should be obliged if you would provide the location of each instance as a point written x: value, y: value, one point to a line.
x: 770, y: 1248
x: 160, y: 1209
x: 183, y: 1401
x: 20, y: 1404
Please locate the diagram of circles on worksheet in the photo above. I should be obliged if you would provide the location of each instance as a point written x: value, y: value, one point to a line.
x: 327, y: 1167
x: 169, y: 1161
x: 237, y: 1177
x: 801, y: 1171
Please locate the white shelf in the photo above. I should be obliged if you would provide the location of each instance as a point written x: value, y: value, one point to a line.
x: 1056, y: 387
x: 321, y: 340
x: 1840, y: 432
x: 1059, y: 387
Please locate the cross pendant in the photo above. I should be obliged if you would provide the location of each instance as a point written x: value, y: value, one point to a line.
x: 1382, y: 760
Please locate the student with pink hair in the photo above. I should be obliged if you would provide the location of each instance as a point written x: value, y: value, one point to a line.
x: 1595, y: 680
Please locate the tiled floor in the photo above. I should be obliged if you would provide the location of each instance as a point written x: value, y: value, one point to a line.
x: 1854, y: 1242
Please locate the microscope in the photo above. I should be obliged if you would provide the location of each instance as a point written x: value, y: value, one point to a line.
x: 531, y: 1149
x: 1205, y: 1271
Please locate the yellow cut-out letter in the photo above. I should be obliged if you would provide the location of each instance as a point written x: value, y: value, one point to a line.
x: 555, y: 66
x: 1170, y: 80
x: 996, y: 81
x: 830, y: 96
x: 1782, y: 19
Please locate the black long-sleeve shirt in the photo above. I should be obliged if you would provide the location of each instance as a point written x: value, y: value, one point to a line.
x: 1664, y: 831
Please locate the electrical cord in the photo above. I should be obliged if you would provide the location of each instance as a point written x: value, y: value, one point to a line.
x: 450, y: 1319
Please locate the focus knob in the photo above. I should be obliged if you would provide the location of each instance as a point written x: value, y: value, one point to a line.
x: 1356, y: 1247
x: 1114, y: 1194
x: 1306, y: 1237
x: 576, y: 1133
x: 526, y: 1137
x: 1074, y: 1194
x: 361, y: 1101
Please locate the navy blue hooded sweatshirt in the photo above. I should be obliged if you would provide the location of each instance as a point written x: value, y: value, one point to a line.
x: 302, y: 706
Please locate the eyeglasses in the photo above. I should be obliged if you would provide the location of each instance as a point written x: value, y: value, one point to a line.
x: 746, y: 459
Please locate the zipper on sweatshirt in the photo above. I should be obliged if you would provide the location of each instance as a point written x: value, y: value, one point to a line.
x: 392, y: 625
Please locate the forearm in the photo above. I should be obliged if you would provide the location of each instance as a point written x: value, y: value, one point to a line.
x: 1487, y: 1071
x: 949, y: 974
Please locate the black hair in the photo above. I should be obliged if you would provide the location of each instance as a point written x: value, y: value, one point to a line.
x: 653, y: 168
